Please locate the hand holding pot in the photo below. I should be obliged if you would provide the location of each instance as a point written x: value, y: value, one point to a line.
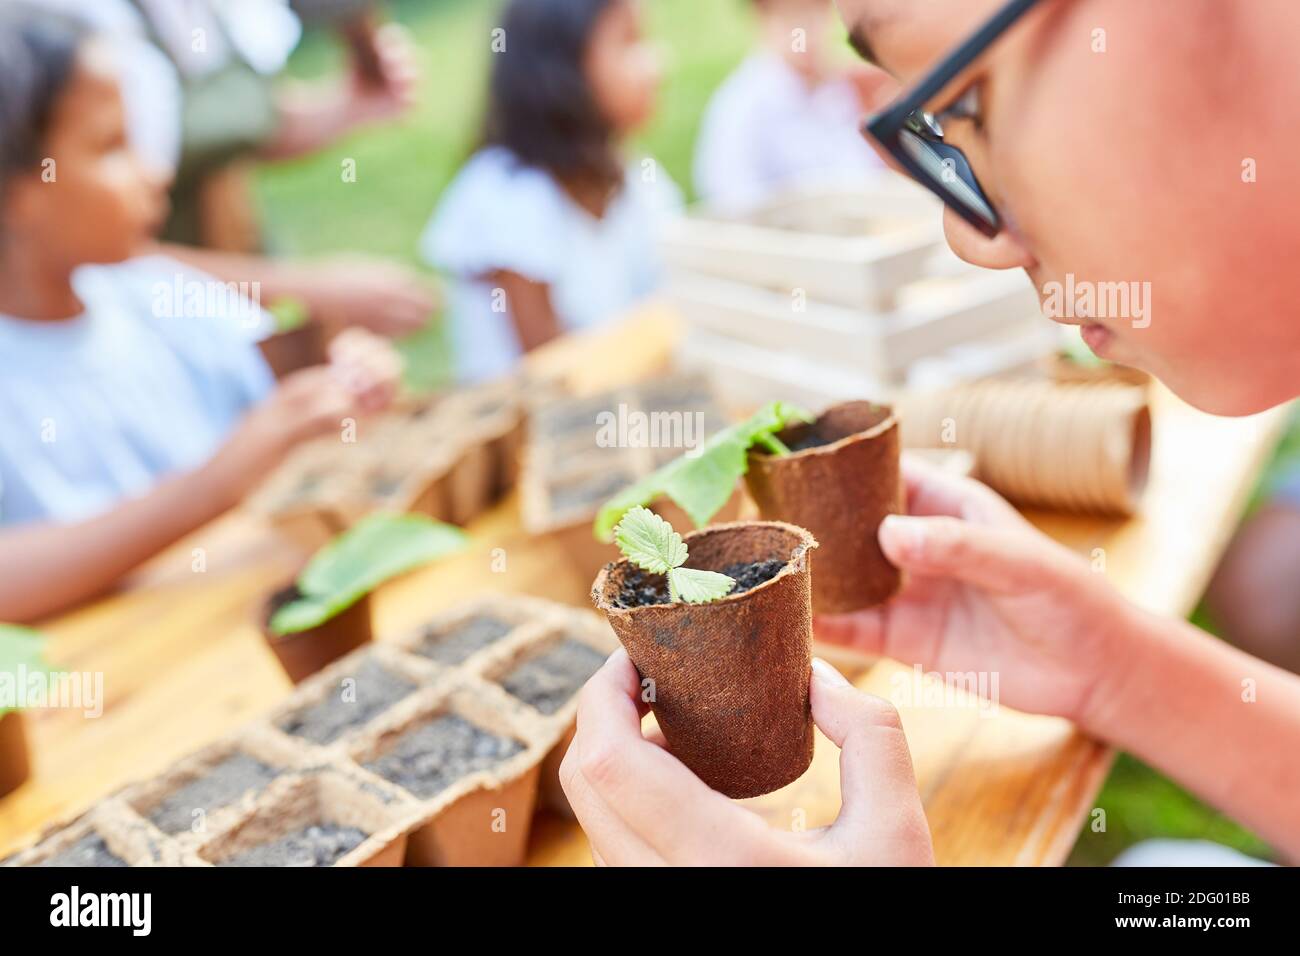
x: 640, y: 806
x: 986, y: 591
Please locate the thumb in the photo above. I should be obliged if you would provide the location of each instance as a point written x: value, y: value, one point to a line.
x: 881, y: 808
x: 1004, y: 560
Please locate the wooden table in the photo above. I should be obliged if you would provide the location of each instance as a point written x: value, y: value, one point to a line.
x: 183, y: 663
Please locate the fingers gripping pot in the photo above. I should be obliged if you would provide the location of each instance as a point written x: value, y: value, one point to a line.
x: 840, y: 481
x: 728, y: 681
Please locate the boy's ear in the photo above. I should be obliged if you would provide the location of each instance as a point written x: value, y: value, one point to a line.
x: 21, y: 200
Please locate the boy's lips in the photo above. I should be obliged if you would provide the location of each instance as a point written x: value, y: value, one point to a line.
x: 1097, y: 337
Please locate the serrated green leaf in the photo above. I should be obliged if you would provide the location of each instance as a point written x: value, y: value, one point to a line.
x: 21, y: 647
x: 375, y: 550
x: 698, y: 587
x: 701, y: 484
x: 649, y: 542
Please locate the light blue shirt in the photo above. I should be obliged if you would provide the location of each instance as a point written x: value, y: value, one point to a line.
x: 147, y: 382
x: 500, y: 215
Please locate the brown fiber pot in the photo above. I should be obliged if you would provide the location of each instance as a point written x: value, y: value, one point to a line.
x: 287, y: 352
x: 730, y: 678
x: 839, y: 491
x: 305, y: 652
x: 14, y: 764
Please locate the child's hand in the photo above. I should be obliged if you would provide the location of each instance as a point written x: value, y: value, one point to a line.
x: 362, y: 377
x: 367, y: 367
x: 640, y: 806
x: 370, y: 293
x: 988, y: 592
x: 396, y: 61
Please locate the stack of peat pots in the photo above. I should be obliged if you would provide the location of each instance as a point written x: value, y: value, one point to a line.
x: 450, y: 457
x: 569, y: 471
x: 1082, y: 448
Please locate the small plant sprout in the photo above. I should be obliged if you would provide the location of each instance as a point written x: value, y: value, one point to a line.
x: 650, y: 543
x: 701, y: 484
x: 375, y: 550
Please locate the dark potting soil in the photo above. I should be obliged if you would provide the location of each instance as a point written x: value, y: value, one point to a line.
x: 435, y: 754
x: 320, y: 845
x: 640, y: 589
x: 386, y: 485
x: 219, y: 787
x: 549, y: 680
x: 351, y: 704
x: 90, y: 850
x: 813, y: 439
x: 455, y: 644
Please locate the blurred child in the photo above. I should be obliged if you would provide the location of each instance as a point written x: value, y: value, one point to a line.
x: 545, y: 230
x: 788, y: 116
x: 127, y: 418
x: 1253, y: 598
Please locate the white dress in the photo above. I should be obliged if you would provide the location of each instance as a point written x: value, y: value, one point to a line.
x: 499, y: 215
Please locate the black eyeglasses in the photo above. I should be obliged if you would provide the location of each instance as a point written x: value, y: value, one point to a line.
x: 914, y: 137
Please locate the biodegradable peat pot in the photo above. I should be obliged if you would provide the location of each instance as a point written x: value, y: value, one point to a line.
x: 457, y: 837
x: 303, y: 347
x: 730, y: 677
x: 303, y: 653
x: 840, y: 485
x: 14, y: 763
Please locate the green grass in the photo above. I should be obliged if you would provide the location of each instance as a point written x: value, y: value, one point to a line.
x: 403, y: 168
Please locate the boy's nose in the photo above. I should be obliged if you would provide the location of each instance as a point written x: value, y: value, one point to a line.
x: 1003, y: 251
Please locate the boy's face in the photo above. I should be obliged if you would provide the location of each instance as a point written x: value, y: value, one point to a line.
x: 1125, y: 146
x: 91, y: 201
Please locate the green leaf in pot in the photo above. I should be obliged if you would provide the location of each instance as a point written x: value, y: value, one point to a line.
x: 701, y: 483
x: 20, y: 647
x: 650, y: 543
x: 375, y: 550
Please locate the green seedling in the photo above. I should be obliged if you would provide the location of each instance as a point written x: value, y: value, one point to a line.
x: 650, y: 543
x: 375, y: 550
x: 21, y: 650
x: 701, y: 483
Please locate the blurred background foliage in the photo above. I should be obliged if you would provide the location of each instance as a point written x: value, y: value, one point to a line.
x: 403, y: 168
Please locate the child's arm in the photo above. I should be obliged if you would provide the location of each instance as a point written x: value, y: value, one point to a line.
x: 315, y: 115
x: 987, y: 592
x: 340, y: 292
x: 47, y: 568
x: 530, y: 308
x: 1224, y: 724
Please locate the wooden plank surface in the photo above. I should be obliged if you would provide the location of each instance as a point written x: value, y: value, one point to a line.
x: 184, y: 664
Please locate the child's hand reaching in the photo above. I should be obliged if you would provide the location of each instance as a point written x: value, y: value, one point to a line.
x: 362, y: 378
x: 640, y: 806
x: 988, y: 592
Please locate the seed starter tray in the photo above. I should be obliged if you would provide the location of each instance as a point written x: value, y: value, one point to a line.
x: 567, y: 476
x: 107, y: 835
x: 330, y: 801
x: 450, y: 457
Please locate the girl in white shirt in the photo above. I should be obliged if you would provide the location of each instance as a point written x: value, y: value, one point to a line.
x: 546, y: 230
